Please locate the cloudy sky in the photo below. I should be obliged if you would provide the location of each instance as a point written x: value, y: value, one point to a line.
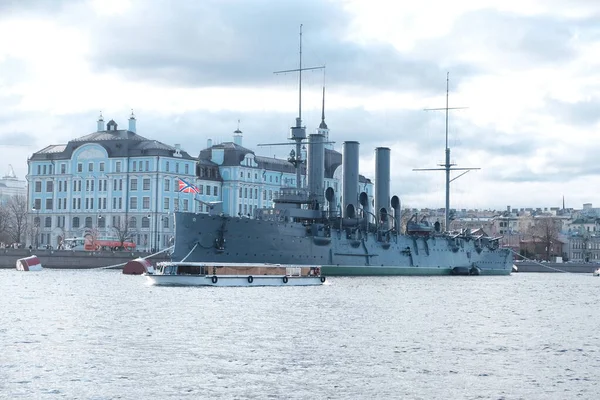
x: 526, y: 70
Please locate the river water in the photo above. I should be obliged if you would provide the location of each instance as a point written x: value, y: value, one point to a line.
x: 98, y: 334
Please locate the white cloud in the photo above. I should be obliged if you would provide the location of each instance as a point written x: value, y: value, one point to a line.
x: 526, y: 70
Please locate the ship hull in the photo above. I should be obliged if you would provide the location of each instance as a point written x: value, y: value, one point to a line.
x: 205, y: 238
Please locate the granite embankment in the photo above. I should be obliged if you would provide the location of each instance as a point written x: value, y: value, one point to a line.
x: 533, y: 266
x: 68, y: 259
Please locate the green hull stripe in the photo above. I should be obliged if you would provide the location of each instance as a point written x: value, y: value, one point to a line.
x: 343, y: 270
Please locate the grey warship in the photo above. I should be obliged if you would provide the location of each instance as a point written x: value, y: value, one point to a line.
x: 359, y: 237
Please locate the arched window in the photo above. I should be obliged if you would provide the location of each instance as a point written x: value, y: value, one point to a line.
x: 133, y: 222
x: 75, y: 222
x: 145, y: 222
x: 88, y: 222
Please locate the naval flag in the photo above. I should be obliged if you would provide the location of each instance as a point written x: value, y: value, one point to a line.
x: 186, y: 187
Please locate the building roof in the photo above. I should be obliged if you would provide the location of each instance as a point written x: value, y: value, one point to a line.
x: 117, y: 143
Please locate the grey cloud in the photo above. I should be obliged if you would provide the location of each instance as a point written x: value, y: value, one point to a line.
x: 516, y: 40
x: 581, y: 113
x: 9, y: 7
x: 220, y: 43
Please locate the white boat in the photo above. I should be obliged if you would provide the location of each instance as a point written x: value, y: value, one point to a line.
x: 234, y: 274
x: 597, y: 272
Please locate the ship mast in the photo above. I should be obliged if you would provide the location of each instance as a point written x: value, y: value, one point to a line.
x: 448, y: 165
x: 298, y: 132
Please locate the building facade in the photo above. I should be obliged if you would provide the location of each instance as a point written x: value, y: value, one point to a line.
x: 109, y: 181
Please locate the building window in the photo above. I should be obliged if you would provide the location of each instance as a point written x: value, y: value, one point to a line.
x: 166, y: 204
x: 147, y: 166
x: 240, y: 210
x: 133, y: 203
x: 101, y: 222
x: 265, y: 195
x: 256, y: 193
x: 48, y: 222
x: 101, y: 167
x: 167, y: 185
x: 145, y: 222
x: 48, y: 204
x: 146, y: 203
x: 176, y: 168
x: 91, y: 167
x: 187, y: 169
x: 120, y: 184
x: 88, y: 222
x: 185, y: 204
x: 241, y: 174
x: 167, y: 167
x: 118, y: 166
x: 75, y: 222
x: 44, y: 170
x: 38, y: 187
x: 63, y: 168
x: 133, y: 184
x: 146, y: 183
x: 216, y: 190
x: 79, y: 167
x: 200, y: 189
x: 165, y: 221
x: 134, y: 168
x: 240, y: 196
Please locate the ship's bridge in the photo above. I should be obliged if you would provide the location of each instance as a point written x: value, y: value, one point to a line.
x: 292, y: 195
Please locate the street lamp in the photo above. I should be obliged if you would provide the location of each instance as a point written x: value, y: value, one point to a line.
x: 36, y: 224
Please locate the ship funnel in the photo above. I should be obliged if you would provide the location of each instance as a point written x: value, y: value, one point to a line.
x: 330, y: 196
x: 316, y: 167
x: 397, y: 216
x: 382, y: 182
x: 363, y: 198
x: 350, y: 178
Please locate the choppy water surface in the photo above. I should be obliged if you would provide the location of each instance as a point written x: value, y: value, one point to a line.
x: 102, y: 335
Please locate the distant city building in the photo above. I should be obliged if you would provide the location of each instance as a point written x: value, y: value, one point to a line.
x: 10, y: 185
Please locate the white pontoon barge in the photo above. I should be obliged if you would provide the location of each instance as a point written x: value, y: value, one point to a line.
x: 234, y: 274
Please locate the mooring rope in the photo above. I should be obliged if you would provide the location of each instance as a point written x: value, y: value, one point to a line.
x: 148, y: 256
x: 191, y: 251
x: 539, y: 263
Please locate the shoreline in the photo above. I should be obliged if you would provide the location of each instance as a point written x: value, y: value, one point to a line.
x: 71, y: 259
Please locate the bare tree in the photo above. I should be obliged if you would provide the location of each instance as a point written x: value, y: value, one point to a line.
x: 17, y: 212
x: 545, y: 231
x: 4, y: 224
x: 122, y: 230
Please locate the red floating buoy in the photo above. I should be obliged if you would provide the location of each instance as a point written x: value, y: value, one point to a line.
x: 137, y: 267
x: 31, y: 263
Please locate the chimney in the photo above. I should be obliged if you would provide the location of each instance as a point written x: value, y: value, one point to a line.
x: 132, y: 122
x: 100, y: 122
x: 350, y: 178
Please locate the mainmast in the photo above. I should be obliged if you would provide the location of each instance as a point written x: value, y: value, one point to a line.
x: 298, y: 132
x: 447, y: 166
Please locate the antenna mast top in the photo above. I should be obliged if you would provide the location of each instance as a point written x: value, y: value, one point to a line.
x: 298, y: 132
